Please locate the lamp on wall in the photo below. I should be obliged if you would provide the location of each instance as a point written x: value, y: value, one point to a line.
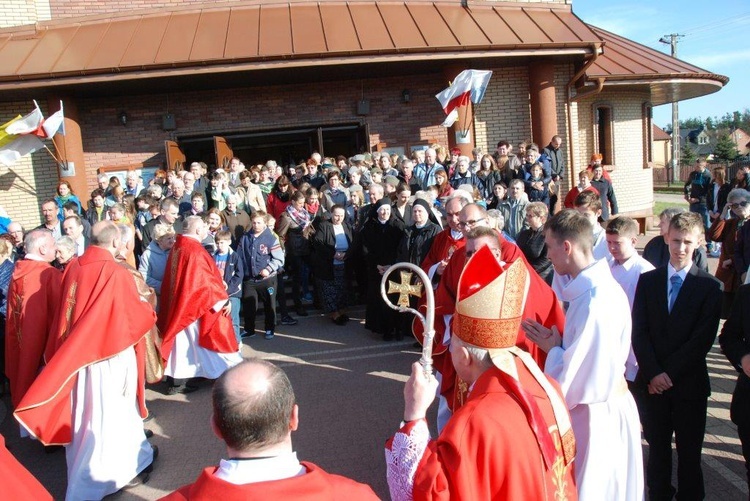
x: 406, y: 96
x: 123, y: 118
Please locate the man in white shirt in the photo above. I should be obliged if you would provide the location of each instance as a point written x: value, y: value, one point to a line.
x: 73, y: 228
x: 626, y: 267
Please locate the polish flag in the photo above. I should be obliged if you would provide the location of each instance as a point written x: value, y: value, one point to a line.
x: 53, y: 124
x: 469, y: 85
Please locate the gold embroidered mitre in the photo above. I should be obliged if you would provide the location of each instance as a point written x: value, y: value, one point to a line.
x: 490, y: 301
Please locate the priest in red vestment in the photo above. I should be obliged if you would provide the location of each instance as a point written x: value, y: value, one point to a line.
x: 197, y: 334
x: 99, y: 330
x: 254, y: 413
x: 447, y: 241
x: 543, y: 306
x: 33, y: 299
x: 512, y: 439
x: 18, y: 482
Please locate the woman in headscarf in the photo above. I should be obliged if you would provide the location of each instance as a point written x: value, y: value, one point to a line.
x: 414, y: 246
x: 380, y: 236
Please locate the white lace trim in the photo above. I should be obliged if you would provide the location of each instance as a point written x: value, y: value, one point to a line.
x: 402, y: 459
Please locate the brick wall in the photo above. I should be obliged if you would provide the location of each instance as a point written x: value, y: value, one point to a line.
x: 504, y: 113
x: 632, y: 182
x: 107, y: 142
x: 20, y: 12
x: 31, y: 180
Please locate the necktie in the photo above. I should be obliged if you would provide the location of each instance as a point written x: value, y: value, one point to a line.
x: 676, y: 282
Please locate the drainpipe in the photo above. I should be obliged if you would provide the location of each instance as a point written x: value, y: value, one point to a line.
x: 597, y: 49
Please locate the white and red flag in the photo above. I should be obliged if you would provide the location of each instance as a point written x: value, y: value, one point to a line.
x: 469, y: 85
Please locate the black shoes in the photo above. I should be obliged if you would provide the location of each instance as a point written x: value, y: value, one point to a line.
x: 145, y: 474
x: 287, y: 320
x: 181, y: 389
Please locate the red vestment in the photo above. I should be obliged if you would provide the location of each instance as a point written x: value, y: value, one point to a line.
x: 541, y: 305
x: 33, y: 299
x: 314, y: 485
x: 17, y: 482
x: 488, y: 450
x: 192, y: 286
x: 443, y: 246
x: 100, y: 315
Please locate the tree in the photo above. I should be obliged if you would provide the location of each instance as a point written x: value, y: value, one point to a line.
x: 687, y: 155
x: 691, y: 123
x: 710, y: 124
x: 725, y: 150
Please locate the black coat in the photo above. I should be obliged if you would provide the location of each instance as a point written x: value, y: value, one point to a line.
x: 324, y: 248
x: 416, y: 243
x: 735, y: 343
x: 531, y: 243
x: 676, y: 342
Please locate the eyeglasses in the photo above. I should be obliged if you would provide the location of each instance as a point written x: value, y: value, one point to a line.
x: 737, y: 205
x: 470, y: 223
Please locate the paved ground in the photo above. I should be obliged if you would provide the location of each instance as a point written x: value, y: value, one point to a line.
x: 349, y: 388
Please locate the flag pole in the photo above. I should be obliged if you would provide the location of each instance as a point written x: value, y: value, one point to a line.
x: 65, y: 147
x: 57, y: 161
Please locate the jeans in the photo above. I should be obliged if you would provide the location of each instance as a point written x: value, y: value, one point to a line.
x: 235, y: 314
x: 702, y: 211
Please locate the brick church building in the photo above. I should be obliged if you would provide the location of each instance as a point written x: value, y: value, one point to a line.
x: 146, y: 82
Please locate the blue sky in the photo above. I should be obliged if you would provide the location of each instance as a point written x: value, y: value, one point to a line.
x: 715, y: 40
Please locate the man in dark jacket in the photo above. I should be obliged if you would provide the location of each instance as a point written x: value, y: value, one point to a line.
x: 606, y: 193
x: 557, y: 164
x: 696, y: 190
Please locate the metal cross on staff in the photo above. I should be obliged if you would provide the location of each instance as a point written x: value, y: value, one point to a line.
x: 404, y: 290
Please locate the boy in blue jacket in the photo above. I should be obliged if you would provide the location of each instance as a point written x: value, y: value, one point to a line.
x: 230, y: 267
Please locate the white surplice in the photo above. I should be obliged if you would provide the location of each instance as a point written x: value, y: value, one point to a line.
x: 109, y: 447
x: 589, y: 367
x: 189, y: 359
x: 627, y: 275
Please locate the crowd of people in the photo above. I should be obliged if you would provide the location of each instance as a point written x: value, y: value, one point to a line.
x: 548, y: 319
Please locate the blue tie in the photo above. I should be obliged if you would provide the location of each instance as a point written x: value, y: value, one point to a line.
x: 676, y: 282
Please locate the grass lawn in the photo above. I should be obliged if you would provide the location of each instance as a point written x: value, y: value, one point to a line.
x: 660, y: 206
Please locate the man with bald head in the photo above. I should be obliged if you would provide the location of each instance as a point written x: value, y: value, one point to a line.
x: 33, y: 299
x: 254, y: 414
x: 98, y: 336
x: 447, y: 241
x: 15, y: 230
x: 197, y: 335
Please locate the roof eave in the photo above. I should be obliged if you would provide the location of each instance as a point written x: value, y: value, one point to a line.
x: 667, y: 89
x: 290, y: 61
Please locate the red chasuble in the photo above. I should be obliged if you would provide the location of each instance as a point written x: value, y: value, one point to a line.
x: 443, y: 246
x: 100, y: 315
x: 315, y: 485
x: 488, y: 450
x: 33, y: 299
x: 17, y: 482
x: 192, y: 286
x: 541, y: 305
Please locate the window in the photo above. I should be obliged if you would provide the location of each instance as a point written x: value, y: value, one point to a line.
x: 604, y: 133
x: 648, y: 134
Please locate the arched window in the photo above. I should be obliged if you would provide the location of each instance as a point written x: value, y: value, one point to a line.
x: 604, y: 132
x: 647, y: 116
